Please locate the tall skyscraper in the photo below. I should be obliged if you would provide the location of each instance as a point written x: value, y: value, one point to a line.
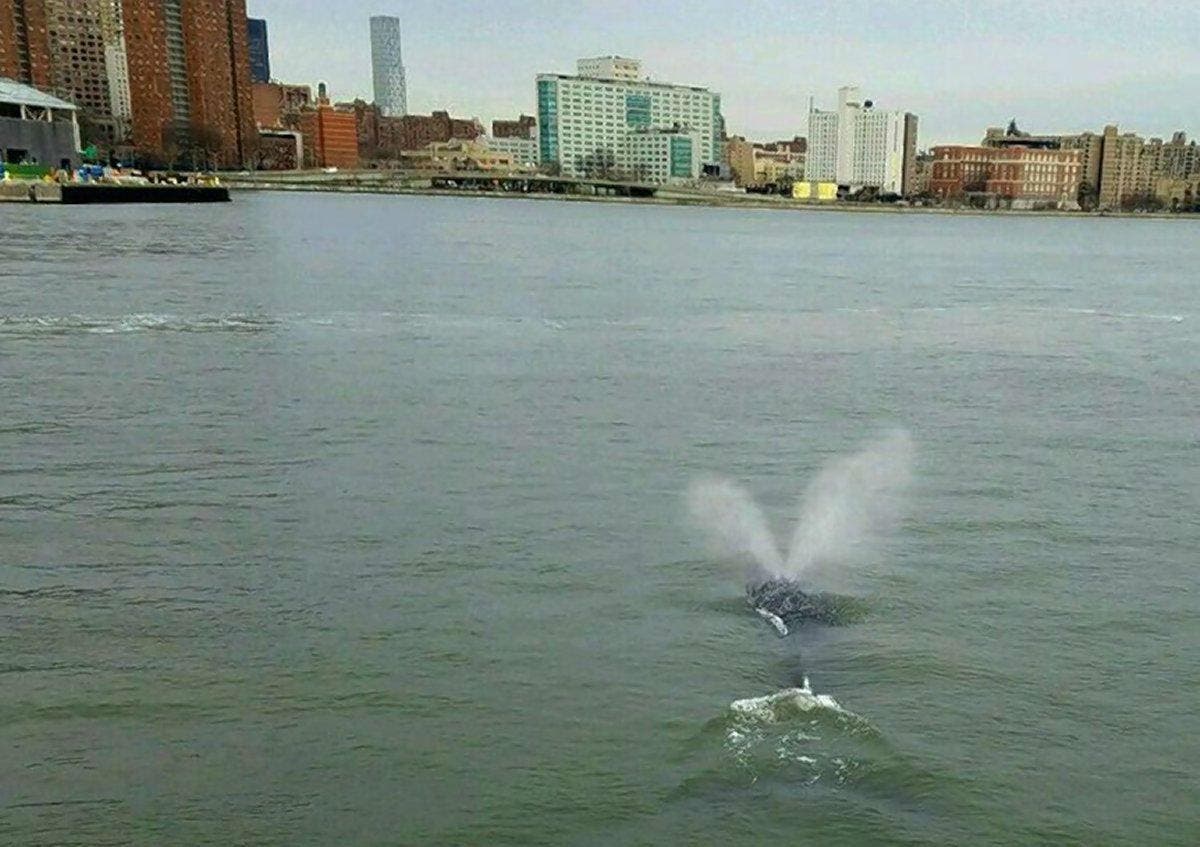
x: 260, y: 50
x: 387, y: 66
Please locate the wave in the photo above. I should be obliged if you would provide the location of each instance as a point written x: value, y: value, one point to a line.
x: 797, y: 728
x: 1132, y: 316
x: 37, y: 325
x: 772, y: 708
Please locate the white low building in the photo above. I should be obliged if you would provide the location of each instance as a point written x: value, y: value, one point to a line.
x: 523, y: 150
x: 664, y: 156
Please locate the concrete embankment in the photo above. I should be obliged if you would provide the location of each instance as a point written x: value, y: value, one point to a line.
x: 76, y: 194
x: 30, y: 192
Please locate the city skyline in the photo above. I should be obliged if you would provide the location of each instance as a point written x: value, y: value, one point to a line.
x: 1071, y: 67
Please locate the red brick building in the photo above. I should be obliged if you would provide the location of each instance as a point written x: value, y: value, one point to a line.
x: 1023, y: 174
x: 277, y: 105
x: 188, y: 67
x: 798, y: 144
x: 60, y: 46
x: 330, y: 138
x: 279, y: 150
x: 189, y: 71
x: 382, y: 137
x: 523, y: 127
x: 24, y: 43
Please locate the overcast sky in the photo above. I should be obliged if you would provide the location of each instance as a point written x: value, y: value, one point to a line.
x: 1066, y: 65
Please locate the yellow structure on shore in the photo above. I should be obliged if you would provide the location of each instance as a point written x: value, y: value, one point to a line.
x: 822, y: 192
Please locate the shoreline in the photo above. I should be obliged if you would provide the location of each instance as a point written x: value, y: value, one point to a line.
x: 737, y: 201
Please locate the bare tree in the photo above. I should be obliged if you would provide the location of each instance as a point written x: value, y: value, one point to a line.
x: 205, y: 146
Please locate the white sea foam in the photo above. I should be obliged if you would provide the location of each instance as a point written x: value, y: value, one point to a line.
x: 140, y: 322
x: 788, y: 727
x: 770, y: 708
x: 1129, y: 316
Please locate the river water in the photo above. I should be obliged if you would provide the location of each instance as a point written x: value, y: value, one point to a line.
x: 361, y: 520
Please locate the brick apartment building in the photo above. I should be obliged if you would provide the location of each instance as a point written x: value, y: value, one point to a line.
x: 189, y: 69
x: 277, y: 105
x: 150, y: 75
x: 1118, y: 168
x: 63, y: 46
x: 24, y: 46
x: 381, y: 137
x: 523, y: 127
x: 1021, y: 175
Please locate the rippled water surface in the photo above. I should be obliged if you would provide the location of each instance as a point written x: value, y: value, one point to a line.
x: 360, y: 520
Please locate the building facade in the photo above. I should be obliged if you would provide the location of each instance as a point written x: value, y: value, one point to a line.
x: 523, y: 127
x: 116, y: 57
x: 192, y: 77
x: 1021, y: 176
x: 662, y: 156
x: 1118, y: 169
x: 1089, y: 144
x: 330, y: 138
x: 522, y: 151
x: 24, y: 43
x: 74, y: 49
x: 1179, y: 194
x: 459, y: 155
x: 259, y: 46
x: 739, y: 155
x: 772, y: 167
x: 1123, y: 173
x: 594, y: 125
x: 381, y: 138
x: 280, y: 150
x: 822, y: 146
x: 610, y: 67
x: 36, y: 128
x: 151, y: 75
x: 277, y: 105
x: 860, y: 146
x: 387, y: 67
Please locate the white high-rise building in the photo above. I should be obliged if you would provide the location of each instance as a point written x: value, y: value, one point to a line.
x: 822, y: 157
x: 859, y: 146
x: 387, y: 67
x: 595, y: 124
